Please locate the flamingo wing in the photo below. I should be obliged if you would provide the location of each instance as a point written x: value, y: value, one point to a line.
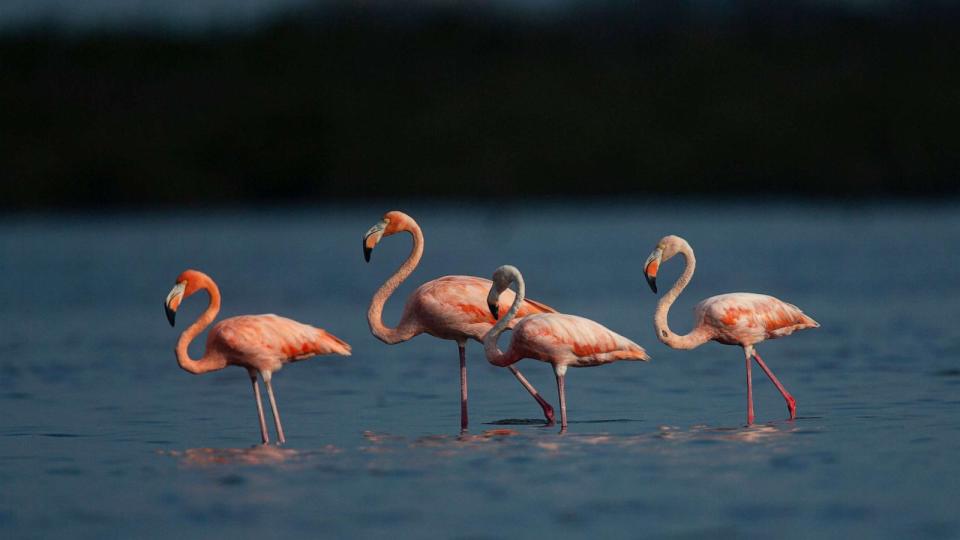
x: 572, y: 340
x: 270, y: 338
x: 458, y: 305
x: 748, y: 318
x: 528, y: 307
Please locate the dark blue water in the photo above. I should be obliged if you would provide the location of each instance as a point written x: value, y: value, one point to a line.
x: 103, y: 435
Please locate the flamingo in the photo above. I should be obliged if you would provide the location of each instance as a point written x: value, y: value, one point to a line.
x: 743, y: 319
x: 260, y: 343
x: 450, y: 307
x: 562, y: 340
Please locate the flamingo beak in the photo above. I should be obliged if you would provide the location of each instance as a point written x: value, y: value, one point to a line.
x: 493, y: 300
x: 650, y: 268
x: 372, y: 237
x: 172, y: 302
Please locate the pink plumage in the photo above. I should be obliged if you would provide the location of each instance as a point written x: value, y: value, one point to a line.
x: 749, y: 318
x: 453, y: 307
x: 269, y: 341
x: 570, y: 341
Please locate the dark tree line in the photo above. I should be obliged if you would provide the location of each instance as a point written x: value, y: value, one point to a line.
x: 348, y: 102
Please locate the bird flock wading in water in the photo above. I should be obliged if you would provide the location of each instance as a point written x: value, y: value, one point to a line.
x: 461, y: 308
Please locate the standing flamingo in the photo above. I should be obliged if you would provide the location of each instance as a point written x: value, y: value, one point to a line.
x: 260, y: 343
x: 450, y: 307
x: 562, y: 340
x: 743, y: 319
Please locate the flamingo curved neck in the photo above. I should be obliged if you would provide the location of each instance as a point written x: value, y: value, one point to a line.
x: 697, y: 336
x: 494, y: 355
x: 375, y: 313
x: 210, y: 361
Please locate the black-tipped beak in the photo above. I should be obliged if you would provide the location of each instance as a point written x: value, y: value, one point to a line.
x: 651, y: 267
x: 494, y: 310
x: 174, y: 298
x: 652, y: 281
x: 371, y: 237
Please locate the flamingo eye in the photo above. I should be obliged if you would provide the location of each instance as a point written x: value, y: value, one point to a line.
x: 664, y: 332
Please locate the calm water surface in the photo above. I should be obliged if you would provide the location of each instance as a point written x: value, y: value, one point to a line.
x: 104, y: 436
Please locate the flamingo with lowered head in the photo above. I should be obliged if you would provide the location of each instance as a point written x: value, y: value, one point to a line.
x: 450, y: 307
x: 562, y: 340
x: 743, y: 319
x: 260, y: 343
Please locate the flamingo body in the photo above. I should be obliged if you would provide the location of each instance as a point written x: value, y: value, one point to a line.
x: 454, y: 308
x: 569, y: 341
x: 746, y: 319
x: 267, y: 342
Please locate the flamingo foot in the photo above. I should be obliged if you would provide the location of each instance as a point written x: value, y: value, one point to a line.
x: 547, y: 408
x: 791, y: 403
x: 548, y: 414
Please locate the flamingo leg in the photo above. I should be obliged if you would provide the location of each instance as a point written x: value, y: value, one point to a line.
x: 463, y: 386
x: 547, y: 408
x: 273, y: 404
x: 791, y: 403
x: 563, y: 402
x: 749, y: 393
x: 264, y: 437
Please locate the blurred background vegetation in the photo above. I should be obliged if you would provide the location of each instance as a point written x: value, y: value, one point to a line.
x: 351, y: 100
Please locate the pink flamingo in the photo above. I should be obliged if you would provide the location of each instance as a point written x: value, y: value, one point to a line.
x: 743, y: 319
x: 562, y: 340
x: 450, y: 307
x: 260, y: 343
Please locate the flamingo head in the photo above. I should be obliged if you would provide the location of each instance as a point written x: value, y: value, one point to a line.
x: 392, y: 222
x: 502, y: 277
x: 667, y: 247
x: 188, y: 283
